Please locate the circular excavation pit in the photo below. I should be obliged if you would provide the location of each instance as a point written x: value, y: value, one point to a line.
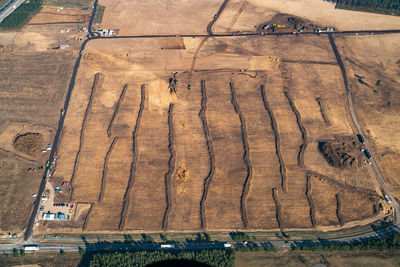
x: 28, y: 143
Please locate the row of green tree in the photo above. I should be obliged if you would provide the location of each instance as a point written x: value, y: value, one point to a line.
x: 390, y: 243
x: 21, y: 14
x: 380, y: 6
x: 216, y: 257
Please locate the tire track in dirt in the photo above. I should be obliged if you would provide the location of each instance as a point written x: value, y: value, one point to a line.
x: 208, y: 179
x: 274, y: 126
x: 85, y: 222
x: 103, y: 178
x: 125, y: 202
x: 81, y: 137
x: 339, y: 209
x: 171, y: 166
x: 196, y: 53
x: 121, y: 97
x: 246, y: 158
x: 322, y: 109
x: 278, y: 208
x: 303, y: 146
x: 310, y: 200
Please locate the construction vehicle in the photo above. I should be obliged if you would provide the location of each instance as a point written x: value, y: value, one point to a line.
x: 279, y: 25
x: 274, y: 59
x: 182, y: 173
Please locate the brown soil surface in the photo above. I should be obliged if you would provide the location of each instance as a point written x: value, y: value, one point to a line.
x: 29, y: 143
x: 249, y: 150
x: 60, y: 15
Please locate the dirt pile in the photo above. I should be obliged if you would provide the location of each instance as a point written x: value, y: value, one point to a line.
x: 29, y: 143
x: 344, y: 152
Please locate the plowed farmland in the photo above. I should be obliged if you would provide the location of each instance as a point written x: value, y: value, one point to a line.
x: 235, y: 147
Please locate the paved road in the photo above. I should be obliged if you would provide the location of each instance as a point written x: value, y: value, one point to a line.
x: 216, y: 16
x: 92, y: 36
x: 9, y: 8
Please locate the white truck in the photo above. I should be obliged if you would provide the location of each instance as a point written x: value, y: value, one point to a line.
x: 228, y: 245
x: 167, y: 246
x: 31, y: 247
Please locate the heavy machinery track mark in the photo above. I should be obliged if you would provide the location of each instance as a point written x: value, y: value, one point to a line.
x: 125, y: 202
x: 282, y: 166
x: 103, y: 178
x: 81, y: 137
x: 246, y: 158
x: 310, y: 200
x: 303, y: 146
x: 121, y: 97
x: 210, y: 149
x: 171, y: 166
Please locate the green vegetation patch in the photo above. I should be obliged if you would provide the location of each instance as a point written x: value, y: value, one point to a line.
x: 68, y: 3
x: 22, y: 14
x: 98, y: 17
x: 216, y: 257
x: 389, y: 7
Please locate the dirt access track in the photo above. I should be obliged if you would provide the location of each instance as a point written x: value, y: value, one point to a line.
x: 249, y: 139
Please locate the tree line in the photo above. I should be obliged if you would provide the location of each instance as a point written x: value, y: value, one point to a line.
x: 21, y: 14
x: 216, y: 257
x: 379, y: 6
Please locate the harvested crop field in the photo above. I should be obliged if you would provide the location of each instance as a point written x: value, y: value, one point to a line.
x: 29, y: 112
x: 54, y: 15
x: 237, y: 149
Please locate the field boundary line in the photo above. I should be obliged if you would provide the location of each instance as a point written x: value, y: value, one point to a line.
x: 210, y: 149
x: 116, y: 110
x: 274, y: 126
x: 246, y: 157
x: 81, y: 136
x: 103, y: 178
x: 125, y: 202
x: 171, y: 166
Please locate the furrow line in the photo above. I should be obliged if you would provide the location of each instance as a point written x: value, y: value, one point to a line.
x: 103, y: 178
x: 171, y: 166
x: 278, y: 208
x: 303, y: 146
x: 310, y: 200
x: 246, y: 158
x: 81, y: 137
x: 125, y: 202
x: 274, y: 126
x: 121, y: 97
x: 322, y: 109
x: 211, y: 155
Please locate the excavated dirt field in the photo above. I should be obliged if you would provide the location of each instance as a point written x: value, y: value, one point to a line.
x: 29, y: 143
x: 249, y: 139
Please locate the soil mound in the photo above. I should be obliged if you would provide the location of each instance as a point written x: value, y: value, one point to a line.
x: 342, y: 153
x: 29, y: 143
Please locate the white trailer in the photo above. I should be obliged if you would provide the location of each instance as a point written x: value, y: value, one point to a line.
x: 31, y: 247
x: 228, y: 245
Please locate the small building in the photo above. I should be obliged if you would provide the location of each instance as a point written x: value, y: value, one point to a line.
x: 65, y: 184
x: 48, y: 216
